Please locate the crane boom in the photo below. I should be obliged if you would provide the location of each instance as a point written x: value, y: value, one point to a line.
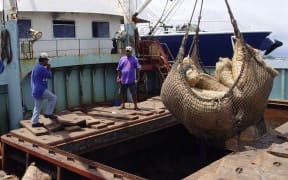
x: 139, y: 10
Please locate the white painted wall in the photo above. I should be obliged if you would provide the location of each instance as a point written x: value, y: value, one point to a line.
x: 83, y: 22
x: 43, y: 21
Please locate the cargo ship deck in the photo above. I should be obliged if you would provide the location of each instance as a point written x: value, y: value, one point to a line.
x: 61, y: 149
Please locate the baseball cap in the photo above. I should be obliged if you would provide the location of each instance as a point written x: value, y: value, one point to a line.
x: 44, y: 55
x: 128, y: 48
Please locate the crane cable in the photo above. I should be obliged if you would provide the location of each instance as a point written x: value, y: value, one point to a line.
x: 153, y: 28
x: 181, y: 52
x: 124, y: 11
x: 195, y: 40
x: 169, y: 14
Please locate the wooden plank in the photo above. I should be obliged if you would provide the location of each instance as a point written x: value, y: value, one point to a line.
x: 71, y: 136
x: 113, y: 110
x: 72, y: 119
x: 36, y: 131
x: 51, y: 125
x: 155, y: 104
x: 53, y: 138
x: 108, y: 122
x: 157, y: 111
x: 142, y: 113
x: 129, y: 111
x: 157, y: 98
x: 77, y: 112
x: 43, y: 139
x: 72, y: 128
x: 112, y: 115
x: 99, y: 126
x: 91, y: 120
x: 143, y: 110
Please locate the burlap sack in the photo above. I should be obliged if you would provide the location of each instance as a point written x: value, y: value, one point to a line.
x: 33, y: 172
x: 187, y: 60
x: 208, y: 93
x: 273, y: 72
x: 209, y: 82
x: 192, y: 77
x: 9, y: 177
x: 223, y: 72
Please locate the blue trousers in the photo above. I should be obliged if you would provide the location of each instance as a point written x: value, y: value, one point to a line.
x: 38, y: 105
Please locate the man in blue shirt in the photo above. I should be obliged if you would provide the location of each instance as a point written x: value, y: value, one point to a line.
x: 126, y: 75
x: 39, y: 85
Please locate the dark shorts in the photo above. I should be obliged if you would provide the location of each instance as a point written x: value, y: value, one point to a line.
x: 132, y: 88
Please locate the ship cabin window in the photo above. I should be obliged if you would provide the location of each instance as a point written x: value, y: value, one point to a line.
x: 23, y: 27
x: 63, y: 29
x: 100, y: 29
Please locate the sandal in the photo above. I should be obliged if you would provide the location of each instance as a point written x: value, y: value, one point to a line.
x: 120, y: 108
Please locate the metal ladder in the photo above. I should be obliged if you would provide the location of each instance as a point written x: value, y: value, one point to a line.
x: 152, y: 56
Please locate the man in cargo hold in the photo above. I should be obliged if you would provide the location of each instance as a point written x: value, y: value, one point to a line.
x: 126, y: 76
x: 39, y: 85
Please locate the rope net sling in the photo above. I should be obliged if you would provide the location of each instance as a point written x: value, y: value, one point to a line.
x: 209, y: 107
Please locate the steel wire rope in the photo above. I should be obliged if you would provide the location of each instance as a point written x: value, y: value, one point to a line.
x: 124, y: 10
x: 169, y: 12
x: 180, y: 54
x: 159, y: 20
x: 196, y: 36
x: 172, y: 11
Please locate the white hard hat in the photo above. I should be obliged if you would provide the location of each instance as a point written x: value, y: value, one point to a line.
x: 128, y: 48
x: 44, y: 55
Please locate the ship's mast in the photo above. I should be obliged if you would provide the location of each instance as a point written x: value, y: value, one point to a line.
x: 130, y: 24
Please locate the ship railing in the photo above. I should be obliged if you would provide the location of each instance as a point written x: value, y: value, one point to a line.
x: 65, y: 47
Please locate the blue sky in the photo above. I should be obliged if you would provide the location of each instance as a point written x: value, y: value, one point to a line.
x: 250, y: 15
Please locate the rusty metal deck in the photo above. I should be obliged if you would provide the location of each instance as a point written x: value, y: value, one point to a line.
x: 266, y: 159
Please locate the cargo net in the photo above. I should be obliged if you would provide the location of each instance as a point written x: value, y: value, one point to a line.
x: 223, y: 105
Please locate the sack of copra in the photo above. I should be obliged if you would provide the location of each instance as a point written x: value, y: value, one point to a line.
x: 223, y: 72
x: 33, y: 172
x: 190, y: 72
x: 209, y: 82
x: 273, y: 72
x: 208, y: 93
x: 192, y: 76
